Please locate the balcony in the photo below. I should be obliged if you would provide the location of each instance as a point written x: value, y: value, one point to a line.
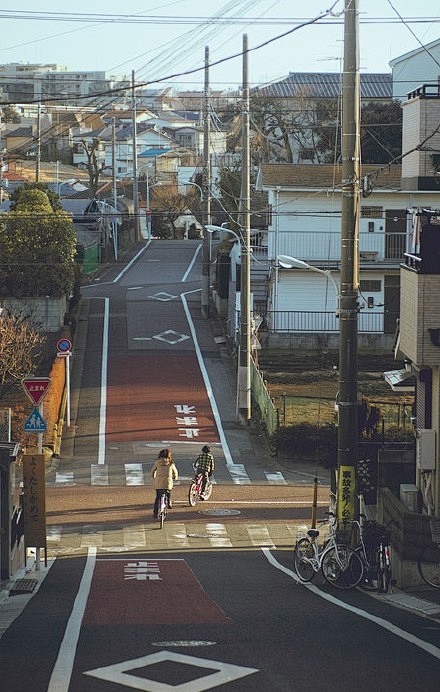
x: 385, y: 248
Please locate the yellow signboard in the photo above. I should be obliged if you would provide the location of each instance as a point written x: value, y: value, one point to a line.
x: 346, y: 493
x: 34, y: 500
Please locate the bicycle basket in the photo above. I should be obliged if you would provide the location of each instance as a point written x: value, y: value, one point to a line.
x: 372, y: 533
x: 344, y: 533
x: 435, y: 529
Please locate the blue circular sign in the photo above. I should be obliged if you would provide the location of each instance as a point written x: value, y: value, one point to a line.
x: 64, y: 345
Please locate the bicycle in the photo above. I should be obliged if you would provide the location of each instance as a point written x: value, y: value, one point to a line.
x: 429, y: 559
x: 195, y: 489
x: 339, y: 564
x: 163, y: 508
x: 374, y: 549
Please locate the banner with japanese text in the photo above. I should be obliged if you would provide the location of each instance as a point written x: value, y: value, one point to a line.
x: 34, y: 500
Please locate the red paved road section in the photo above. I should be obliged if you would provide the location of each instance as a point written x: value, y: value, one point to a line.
x: 136, y: 592
x: 142, y: 392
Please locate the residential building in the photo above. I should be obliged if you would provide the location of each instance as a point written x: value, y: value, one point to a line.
x: 415, y: 68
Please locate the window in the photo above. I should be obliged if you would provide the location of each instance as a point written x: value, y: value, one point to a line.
x: 371, y: 212
x: 370, y: 286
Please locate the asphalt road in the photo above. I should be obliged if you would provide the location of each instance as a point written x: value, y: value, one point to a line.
x: 210, y: 601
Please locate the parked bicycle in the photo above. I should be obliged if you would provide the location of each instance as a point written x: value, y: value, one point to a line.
x: 195, y: 489
x: 163, y: 508
x: 339, y: 564
x: 374, y: 549
x: 429, y: 560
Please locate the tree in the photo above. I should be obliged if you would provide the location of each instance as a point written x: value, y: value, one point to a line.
x: 20, y: 350
x: 37, y: 248
x: 52, y: 196
x: 93, y: 168
x: 168, y: 205
x: 10, y: 115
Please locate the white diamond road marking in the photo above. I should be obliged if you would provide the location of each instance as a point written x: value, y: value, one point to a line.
x: 226, y: 672
x: 171, y: 337
x: 163, y: 296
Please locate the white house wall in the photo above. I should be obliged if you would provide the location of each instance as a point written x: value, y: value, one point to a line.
x: 415, y: 68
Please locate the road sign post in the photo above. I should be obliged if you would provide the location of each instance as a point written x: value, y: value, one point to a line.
x: 64, y: 347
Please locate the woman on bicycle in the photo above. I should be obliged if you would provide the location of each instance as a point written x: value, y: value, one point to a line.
x: 204, y: 464
x: 164, y: 473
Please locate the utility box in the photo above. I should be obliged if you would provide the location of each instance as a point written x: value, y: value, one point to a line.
x: 409, y: 497
x: 425, y: 450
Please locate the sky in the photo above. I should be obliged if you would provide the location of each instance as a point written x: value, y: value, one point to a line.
x: 160, y: 41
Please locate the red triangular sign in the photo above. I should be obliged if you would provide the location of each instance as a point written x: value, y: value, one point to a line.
x: 36, y: 388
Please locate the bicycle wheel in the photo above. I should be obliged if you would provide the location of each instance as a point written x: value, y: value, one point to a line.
x: 304, y: 560
x: 429, y: 565
x: 192, y: 494
x: 208, y: 491
x: 342, y: 567
x: 369, y: 577
x: 162, y: 519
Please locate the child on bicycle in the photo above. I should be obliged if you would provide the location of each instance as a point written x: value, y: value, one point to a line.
x: 204, y: 464
x: 164, y: 473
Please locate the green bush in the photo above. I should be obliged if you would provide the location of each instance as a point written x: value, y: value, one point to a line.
x: 309, y: 440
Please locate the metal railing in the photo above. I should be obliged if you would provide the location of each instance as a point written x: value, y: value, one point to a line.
x: 315, y: 246
x: 308, y: 321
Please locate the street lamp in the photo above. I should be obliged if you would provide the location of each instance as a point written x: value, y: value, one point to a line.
x: 148, y: 201
x: 290, y: 262
x: 244, y: 359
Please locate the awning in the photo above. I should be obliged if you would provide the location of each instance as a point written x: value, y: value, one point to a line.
x: 400, y: 380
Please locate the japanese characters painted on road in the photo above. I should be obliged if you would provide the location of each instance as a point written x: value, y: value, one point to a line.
x: 36, y: 388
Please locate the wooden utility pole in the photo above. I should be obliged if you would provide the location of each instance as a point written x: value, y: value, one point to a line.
x: 206, y: 197
x: 349, y: 284
x: 135, y: 168
x: 244, y: 367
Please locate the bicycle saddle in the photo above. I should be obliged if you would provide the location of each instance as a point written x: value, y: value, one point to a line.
x: 313, y: 533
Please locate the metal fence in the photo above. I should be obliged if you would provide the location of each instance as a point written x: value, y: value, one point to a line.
x: 261, y: 396
x: 309, y: 321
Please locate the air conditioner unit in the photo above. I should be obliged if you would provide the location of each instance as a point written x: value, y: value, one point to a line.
x: 409, y: 496
x: 425, y: 450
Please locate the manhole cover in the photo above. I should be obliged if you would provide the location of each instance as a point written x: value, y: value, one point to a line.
x: 220, y: 512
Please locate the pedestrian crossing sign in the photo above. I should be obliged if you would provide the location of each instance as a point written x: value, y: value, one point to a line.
x: 35, y: 422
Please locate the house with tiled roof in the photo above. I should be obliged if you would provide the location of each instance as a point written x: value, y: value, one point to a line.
x: 297, y: 106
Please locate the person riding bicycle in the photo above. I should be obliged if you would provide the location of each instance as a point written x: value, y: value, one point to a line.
x: 164, y: 473
x: 204, y: 464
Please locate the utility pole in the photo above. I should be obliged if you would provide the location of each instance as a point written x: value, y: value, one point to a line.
x: 349, y: 284
x: 206, y: 187
x: 135, y: 170
x: 38, y: 153
x: 244, y: 368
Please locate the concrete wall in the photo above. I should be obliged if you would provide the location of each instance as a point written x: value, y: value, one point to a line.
x: 46, y: 314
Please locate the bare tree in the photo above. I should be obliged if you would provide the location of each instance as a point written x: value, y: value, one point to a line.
x: 93, y: 168
x: 20, y: 350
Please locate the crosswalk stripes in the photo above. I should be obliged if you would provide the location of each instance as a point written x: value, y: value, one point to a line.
x: 178, y: 535
x: 135, y: 474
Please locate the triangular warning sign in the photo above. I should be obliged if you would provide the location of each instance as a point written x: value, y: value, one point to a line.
x: 36, y: 388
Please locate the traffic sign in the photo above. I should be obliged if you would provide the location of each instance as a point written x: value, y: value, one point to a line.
x: 64, y: 345
x: 35, y: 422
x: 36, y: 388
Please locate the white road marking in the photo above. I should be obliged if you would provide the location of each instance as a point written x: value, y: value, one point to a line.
x: 275, y: 478
x: 99, y: 474
x: 134, y: 536
x: 64, y: 478
x: 238, y: 474
x: 225, y: 672
x: 398, y: 631
x: 134, y: 474
x: 62, y: 672
x: 218, y: 535
x: 259, y: 535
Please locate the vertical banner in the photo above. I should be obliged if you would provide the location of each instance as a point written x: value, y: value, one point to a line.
x: 34, y: 500
x: 346, y: 493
